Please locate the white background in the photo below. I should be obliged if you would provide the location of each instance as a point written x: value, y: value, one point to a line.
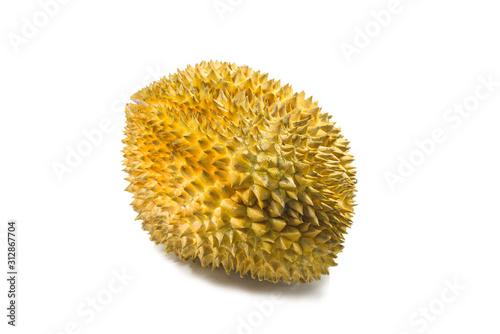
x: 440, y: 225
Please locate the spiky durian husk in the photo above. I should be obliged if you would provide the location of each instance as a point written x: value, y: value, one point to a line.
x: 239, y: 171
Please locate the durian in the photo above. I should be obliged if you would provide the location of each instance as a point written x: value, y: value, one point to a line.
x: 239, y: 171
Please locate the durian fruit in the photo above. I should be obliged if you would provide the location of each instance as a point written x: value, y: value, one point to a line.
x: 237, y: 170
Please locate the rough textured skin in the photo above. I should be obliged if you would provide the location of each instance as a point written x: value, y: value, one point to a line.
x: 239, y: 171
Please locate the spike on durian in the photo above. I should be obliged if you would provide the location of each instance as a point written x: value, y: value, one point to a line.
x: 238, y: 171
